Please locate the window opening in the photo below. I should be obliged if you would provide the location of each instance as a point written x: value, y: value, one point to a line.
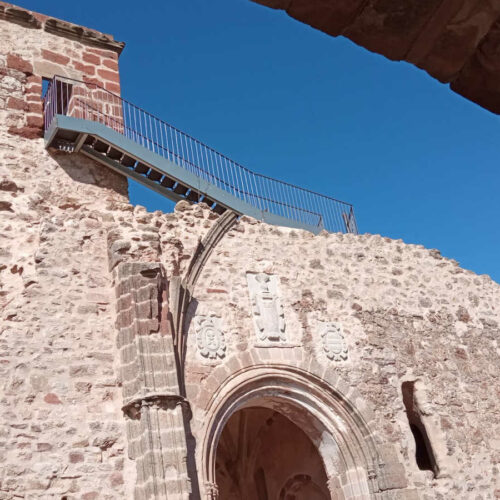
x: 424, y: 455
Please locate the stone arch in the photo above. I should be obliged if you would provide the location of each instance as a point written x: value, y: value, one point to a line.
x: 336, y: 418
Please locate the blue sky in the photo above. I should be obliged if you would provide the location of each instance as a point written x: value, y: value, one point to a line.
x: 417, y: 161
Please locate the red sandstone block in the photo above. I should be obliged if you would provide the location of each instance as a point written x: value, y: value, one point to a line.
x: 52, y: 399
x: 18, y: 63
x: 33, y: 97
x: 117, y: 111
x: 111, y: 64
x: 16, y: 103
x: 35, y: 107
x: 112, y: 87
x: 84, y: 68
x: 110, y: 76
x: 27, y: 132
x: 91, y: 81
x: 91, y: 58
x: 54, y: 57
x: 33, y: 89
x: 104, y: 53
x: 79, y: 91
x: 34, y: 79
x: 34, y: 121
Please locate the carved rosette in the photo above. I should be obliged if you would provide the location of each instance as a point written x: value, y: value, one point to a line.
x: 269, y: 317
x: 210, y: 337
x: 333, y: 341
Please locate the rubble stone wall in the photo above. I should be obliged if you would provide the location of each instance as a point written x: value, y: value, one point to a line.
x: 406, y: 313
x: 61, y: 427
x: 110, y: 388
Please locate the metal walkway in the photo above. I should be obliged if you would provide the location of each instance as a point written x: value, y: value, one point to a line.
x: 84, y: 117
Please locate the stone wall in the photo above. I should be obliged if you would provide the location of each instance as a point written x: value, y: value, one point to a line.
x: 128, y: 338
x: 406, y: 313
x: 61, y: 427
x: 33, y: 47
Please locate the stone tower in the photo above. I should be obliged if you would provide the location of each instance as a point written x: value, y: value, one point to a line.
x: 195, y: 355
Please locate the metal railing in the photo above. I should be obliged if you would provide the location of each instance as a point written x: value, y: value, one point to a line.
x: 90, y: 101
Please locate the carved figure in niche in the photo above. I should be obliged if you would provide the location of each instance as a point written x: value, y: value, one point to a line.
x: 267, y: 308
x: 333, y: 342
x: 209, y: 337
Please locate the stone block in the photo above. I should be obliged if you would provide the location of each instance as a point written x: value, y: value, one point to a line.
x: 110, y: 76
x: 18, y: 63
x: 17, y: 104
x: 91, y: 58
x: 54, y: 57
x: 392, y: 476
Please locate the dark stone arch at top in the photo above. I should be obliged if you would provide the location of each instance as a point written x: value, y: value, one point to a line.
x: 455, y: 41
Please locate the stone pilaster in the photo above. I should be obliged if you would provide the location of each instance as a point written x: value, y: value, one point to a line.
x: 211, y: 491
x: 154, y: 409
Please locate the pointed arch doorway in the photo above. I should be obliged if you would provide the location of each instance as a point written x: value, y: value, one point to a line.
x: 264, y: 455
x: 317, y: 407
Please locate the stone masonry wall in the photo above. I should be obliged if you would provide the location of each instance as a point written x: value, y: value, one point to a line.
x: 61, y: 427
x: 96, y: 398
x: 406, y: 312
x: 34, y: 46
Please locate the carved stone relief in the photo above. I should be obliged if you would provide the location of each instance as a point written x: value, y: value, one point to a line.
x: 333, y: 341
x: 210, y: 337
x: 267, y: 309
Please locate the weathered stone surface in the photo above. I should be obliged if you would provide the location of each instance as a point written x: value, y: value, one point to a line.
x: 96, y: 402
x: 57, y: 396
x: 390, y: 336
x: 34, y: 20
x: 455, y: 41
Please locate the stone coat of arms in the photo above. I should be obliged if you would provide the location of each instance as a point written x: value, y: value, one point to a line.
x: 210, y: 337
x: 333, y: 341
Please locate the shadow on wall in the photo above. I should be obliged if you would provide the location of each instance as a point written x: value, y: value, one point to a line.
x: 85, y: 171
x: 191, y: 458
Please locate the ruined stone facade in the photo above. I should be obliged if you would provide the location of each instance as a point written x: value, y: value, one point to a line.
x: 190, y: 355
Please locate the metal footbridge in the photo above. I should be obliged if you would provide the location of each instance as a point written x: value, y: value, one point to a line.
x: 84, y: 117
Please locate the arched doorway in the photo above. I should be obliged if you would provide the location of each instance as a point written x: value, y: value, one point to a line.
x: 319, y: 408
x: 263, y: 455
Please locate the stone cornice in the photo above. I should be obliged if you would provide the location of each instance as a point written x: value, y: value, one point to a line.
x: 34, y: 20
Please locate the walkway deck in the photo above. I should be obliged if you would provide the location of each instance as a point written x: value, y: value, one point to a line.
x: 82, y: 117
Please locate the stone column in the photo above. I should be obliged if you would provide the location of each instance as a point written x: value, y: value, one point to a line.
x: 211, y: 491
x: 153, y: 406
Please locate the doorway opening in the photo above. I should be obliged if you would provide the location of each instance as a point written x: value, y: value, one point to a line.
x: 263, y: 455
